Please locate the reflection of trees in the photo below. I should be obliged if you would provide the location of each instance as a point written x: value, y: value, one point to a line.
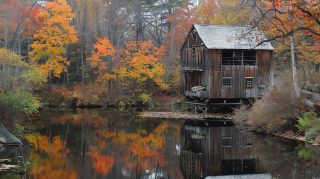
x: 115, y: 144
x: 139, y: 151
x: 101, y: 163
x: 48, y: 158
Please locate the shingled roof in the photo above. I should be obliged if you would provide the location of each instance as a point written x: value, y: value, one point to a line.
x: 231, y: 37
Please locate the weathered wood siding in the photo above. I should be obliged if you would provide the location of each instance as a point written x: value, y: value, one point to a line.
x: 264, y: 64
x: 193, y: 58
x: 193, y: 64
x: 260, y: 73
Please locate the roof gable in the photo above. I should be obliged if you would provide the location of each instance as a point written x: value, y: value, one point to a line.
x: 231, y: 37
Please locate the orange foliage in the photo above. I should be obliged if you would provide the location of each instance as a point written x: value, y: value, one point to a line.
x: 301, y: 18
x: 181, y: 22
x: 101, y: 163
x: 146, y: 149
x: 49, y: 42
x: 52, y: 165
x: 295, y: 14
x: 102, y: 59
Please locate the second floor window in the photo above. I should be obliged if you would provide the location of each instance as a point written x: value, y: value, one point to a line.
x: 238, y: 57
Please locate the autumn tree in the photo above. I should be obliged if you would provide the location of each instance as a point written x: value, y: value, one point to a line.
x: 180, y: 22
x: 142, y: 62
x: 103, y: 60
x: 50, y: 41
x: 17, y: 23
x: 227, y: 12
x: 283, y: 19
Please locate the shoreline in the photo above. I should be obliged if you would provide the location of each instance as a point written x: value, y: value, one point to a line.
x: 286, y: 135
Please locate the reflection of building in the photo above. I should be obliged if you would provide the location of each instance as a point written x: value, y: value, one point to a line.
x: 11, y: 161
x: 216, y: 148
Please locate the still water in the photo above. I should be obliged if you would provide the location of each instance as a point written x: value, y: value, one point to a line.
x: 107, y: 144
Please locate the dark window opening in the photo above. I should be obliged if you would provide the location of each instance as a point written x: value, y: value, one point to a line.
x: 249, y: 82
x: 249, y: 57
x: 226, y: 81
x: 193, y: 53
x: 238, y: 57
x: 227, y: 57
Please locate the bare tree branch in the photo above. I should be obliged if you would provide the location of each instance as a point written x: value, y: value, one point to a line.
x: 302, y: 28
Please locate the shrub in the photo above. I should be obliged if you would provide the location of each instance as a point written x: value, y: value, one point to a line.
x: 20, y: 101
x: 144, y: 98
x: 278, y: 109
x: 241, y: 115
x: 17, y: 79
x: 17, y: 74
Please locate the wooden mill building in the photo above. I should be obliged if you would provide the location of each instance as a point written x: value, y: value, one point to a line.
x: 224, y: 64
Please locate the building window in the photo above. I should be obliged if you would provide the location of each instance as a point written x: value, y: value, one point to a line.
x: 249, y: 82
x: 226, y: 81
x: 227, y: 57
x: 249, y: 143
x: 226, y: 141
x: 238, y: 57
x: 249, y: 57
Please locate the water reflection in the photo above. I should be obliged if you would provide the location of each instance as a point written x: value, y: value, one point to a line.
x: 213, y: 148
x: 109, y: 144
x: 11, y: 161
x: 99, y: 144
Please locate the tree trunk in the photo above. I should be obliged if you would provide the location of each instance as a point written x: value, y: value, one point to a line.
x: 294, y: 67
x: 68, y: 79
x: 139, y: 28
x: 83, y: 43
x: 171, y: 51
x: 50, y: 82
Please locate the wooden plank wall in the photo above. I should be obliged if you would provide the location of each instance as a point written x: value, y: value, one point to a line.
x: 193, y: 61
x: 260, y: 73
x: 264, y: 64
x: 193, y: 67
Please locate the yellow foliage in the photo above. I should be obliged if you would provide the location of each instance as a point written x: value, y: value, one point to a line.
x: 227, y: 12
x: 49, y: 42
x: 142, y: 62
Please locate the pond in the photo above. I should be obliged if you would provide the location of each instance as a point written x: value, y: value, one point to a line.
x: 110, y: 144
